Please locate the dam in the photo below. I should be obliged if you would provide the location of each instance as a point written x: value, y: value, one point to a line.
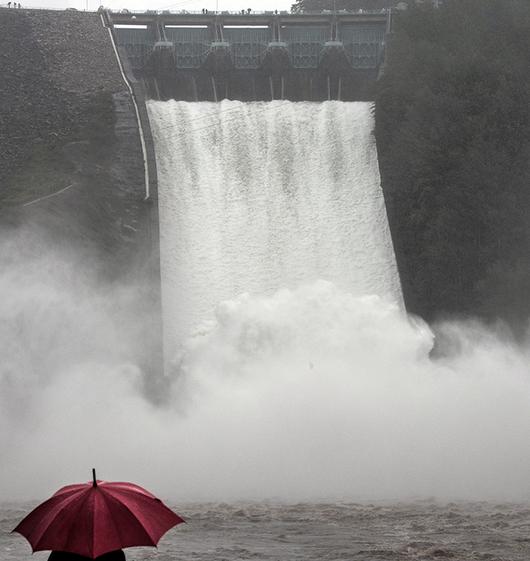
x: 254, y: 56
x: 295, y: 408
x: 266, y: 164
x: 265, y: 189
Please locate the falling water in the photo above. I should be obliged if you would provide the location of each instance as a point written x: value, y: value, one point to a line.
x: 301, y: 389
x: 255, y: 197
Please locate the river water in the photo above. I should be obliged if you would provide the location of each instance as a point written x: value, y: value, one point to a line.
x: 421, y: 531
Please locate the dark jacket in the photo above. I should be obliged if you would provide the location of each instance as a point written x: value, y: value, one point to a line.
x: 62, y: 556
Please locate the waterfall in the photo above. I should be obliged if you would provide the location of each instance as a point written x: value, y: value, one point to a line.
x: 255, y: 197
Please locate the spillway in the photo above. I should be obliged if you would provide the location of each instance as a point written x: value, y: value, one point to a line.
x: 255, y: 197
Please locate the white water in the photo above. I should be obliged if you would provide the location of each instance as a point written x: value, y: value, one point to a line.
x: 255, y: 197
x: 306, y: 394
x: 299, y: 393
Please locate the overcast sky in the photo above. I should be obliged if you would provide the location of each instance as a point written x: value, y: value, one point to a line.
x: 177, y: 5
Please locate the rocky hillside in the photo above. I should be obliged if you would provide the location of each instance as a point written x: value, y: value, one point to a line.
x: 68, y: 123
x: 71, y: 165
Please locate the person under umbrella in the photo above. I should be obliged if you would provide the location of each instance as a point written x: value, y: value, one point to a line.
x: 96, y: 520
x: 64, y: 556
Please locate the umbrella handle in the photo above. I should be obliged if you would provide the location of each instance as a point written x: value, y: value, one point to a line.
x: 94, y: 482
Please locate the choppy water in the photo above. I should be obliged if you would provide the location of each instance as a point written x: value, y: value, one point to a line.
x: 421, y: 531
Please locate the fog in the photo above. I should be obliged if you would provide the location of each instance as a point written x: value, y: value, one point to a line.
x: 304, y: 395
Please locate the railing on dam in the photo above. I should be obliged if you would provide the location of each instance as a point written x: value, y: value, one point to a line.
x: 248, y: 38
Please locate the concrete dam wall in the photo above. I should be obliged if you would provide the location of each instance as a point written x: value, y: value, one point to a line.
x: 254, y: 57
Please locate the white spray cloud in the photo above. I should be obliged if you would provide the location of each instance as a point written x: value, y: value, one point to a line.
x: 309, y: 393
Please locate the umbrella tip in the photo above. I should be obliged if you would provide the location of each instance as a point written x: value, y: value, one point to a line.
x: 94, y: 482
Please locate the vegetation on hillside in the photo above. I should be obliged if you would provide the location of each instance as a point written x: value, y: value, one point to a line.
x: 453, y: 132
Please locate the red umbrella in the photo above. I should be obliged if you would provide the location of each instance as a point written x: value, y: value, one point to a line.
x: 94, y: 518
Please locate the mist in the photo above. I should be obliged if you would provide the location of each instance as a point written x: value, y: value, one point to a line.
x: 307, y: 394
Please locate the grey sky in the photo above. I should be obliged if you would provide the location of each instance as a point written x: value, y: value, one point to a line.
x: 177, y: 5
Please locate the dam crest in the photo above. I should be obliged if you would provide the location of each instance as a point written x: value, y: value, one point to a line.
x: 254, y: 56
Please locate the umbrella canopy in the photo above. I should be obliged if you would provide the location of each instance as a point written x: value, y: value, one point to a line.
x: 94, y: 518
